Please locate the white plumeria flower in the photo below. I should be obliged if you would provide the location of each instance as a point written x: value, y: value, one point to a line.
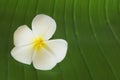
x: 34, y: 46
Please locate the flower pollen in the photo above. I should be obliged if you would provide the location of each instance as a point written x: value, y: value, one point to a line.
x: 38, y: 43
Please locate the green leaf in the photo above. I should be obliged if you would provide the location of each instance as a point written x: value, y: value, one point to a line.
x: 91, y: 27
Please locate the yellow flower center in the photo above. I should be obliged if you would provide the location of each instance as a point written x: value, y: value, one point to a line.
x: 38, y: 43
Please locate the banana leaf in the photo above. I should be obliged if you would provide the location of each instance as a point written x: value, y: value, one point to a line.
x: 91, y: 28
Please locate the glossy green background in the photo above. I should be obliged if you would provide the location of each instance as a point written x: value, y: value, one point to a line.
x: 91, y: 27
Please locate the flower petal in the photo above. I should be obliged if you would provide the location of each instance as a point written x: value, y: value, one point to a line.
x: 58, y: 47
x: 23, y: 54
x: 43, y: 26
x: 22, y: 36
x: 44, y: 60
